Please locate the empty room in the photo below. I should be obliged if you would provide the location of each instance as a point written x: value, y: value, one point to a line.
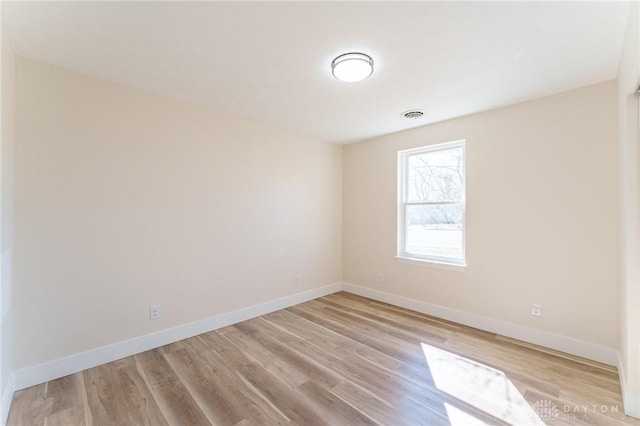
x: 320, y: 213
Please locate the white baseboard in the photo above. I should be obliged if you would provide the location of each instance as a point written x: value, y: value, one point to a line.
x: 7, y: 396
x: 630, y: 400
x: 558, y: 342
x: 41, y: 373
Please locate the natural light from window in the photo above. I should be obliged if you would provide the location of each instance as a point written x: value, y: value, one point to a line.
x: 479, y: 385
x: 431, y: 214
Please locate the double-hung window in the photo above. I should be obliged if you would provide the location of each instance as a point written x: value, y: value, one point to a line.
x: 431, y: 203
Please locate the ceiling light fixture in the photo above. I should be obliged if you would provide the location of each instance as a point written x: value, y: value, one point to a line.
x: 352, y: 67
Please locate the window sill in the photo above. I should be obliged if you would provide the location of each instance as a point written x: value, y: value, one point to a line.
x: 459, y: 267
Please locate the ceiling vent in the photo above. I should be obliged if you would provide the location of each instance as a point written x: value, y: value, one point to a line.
x: 413, y: 114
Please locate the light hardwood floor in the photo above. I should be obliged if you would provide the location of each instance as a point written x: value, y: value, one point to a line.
x: 337, y: 360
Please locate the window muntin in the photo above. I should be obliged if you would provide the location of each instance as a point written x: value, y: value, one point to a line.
x: 431, y: 213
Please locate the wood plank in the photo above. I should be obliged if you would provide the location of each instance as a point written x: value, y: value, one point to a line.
x: 212, y: 395
x: 406, y: 393
x: 73, y: 415
x: 335, y: 410
x: 255, y: 406
x: 338, y: 360
x: 261, y: 355
x: 305, y: 366
x: 117, y: 393
x: 65, y: 392
x: 30, y: 406
x: 173, y: 399
x: 407, y: 353
x: 287, y: 400
x: 400, y: 327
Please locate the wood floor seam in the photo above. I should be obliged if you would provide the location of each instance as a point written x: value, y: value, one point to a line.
x: 338, y: 360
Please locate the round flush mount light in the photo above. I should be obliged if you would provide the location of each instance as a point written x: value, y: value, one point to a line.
x: 352, y: 67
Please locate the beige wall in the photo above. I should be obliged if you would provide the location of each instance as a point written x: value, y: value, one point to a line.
x: 6, y: 215
x: 125, y: 199
x: 628, y: 81
x: 542, y: 214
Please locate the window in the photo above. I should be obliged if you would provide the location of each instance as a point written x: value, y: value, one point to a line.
x: 431, y: 209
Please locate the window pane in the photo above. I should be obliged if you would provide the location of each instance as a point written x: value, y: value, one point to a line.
x: 436, y: 176
x: 435, y: 230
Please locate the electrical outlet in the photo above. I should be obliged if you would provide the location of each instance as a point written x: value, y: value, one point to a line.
x: 536, y: 310
x: 380, y: 277
x: 154, y: 312
x: 298, y: 280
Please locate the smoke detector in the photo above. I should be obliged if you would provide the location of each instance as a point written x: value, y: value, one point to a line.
x: 413, y: 114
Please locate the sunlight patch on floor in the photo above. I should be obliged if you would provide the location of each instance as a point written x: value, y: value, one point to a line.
x: 479, y: 385
x: 458, y: 417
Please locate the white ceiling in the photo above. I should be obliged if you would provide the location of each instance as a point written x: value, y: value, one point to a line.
x: 270, y: 61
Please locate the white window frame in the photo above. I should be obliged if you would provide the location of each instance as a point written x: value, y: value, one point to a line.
x: 403, y: 177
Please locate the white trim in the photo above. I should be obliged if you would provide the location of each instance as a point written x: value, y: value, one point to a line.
x: 51, y: 370
x: 433, y: 147
x: 7, y: 396
x: 630, y: 401
x: 459, y: 267
x: 41, y: 373
x: 402, y: 195
x: 558, y: 342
